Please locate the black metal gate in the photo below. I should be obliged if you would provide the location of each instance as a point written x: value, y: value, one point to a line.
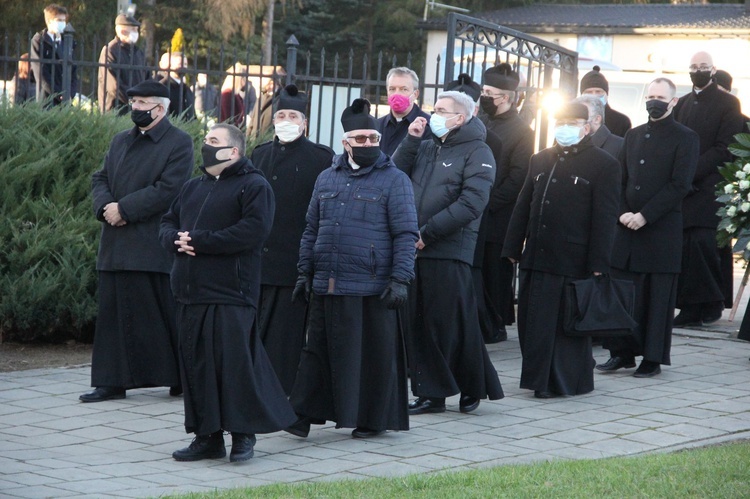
x: 548, y: 69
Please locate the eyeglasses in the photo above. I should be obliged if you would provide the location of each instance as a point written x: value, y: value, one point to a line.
x: 702, y: 67
x: 141, y: 102
x: 361, y: 139
x: 443, y: 112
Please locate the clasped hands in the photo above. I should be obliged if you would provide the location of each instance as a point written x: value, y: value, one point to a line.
x: 183, y: 245
x: 112, y: 215
x: 633, y: 221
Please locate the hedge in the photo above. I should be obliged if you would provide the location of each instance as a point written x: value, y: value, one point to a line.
x: 48, y: 232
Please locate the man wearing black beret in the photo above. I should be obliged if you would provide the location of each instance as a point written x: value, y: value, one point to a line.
x: 356, y: 260
x: 562, y: 229
x: 135, y: 343
x: 114, y: 82
x: 291, y: 163
x: 501, y: 116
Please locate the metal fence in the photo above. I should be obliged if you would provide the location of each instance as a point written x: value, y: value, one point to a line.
x: 330, y: 80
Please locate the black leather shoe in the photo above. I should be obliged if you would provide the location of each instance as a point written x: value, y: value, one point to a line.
x: 242, y: 447
x: 362, y: 432
x: 615, y: 363
x: 102, y: 393
x: 203, y: 447
x: 300, y: 428
x: 647, y: 369
x: 711, y: 313
x: 496, y: 336
x: 425, y: 405
x: 544, y: 395
x: 468, y: 404
x: 175, y: 391
x: 688, y: 317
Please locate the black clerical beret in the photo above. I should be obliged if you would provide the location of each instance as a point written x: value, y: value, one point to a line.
x: 573, y: 111
x: 290, y: 97
x: 148, y: 88
x: 357, y: 116
x: 723, y: 79
x: 466, y: 85
x: 502, y: 76
x: 126, y: 20
x: 594, y: 79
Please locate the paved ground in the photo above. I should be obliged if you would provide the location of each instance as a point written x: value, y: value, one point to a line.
x: 53, y: 446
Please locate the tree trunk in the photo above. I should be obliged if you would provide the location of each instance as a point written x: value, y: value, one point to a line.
x: 268, y: 34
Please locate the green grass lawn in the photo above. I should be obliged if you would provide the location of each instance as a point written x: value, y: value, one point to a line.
x: 713, y: 472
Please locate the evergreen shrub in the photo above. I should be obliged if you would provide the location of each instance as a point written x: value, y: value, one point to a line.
x: 49, y: 234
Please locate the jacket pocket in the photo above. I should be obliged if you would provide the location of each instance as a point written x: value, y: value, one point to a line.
x: 366, y: 203
x: 326, y: 202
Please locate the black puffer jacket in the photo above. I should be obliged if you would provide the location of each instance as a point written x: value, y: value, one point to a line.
x: 452, y: 182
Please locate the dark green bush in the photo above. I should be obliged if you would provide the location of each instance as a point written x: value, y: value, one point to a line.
x: 47, y: 228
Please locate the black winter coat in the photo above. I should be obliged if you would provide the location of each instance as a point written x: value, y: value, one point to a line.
x: 115, y: 81
x: 617, y: 122
x: 518, y: 146
x: 658, y: 164
x: 228, y: 220
x: 393, y: 132
x: 715, y: 116
x: 291, y: 169
x: 607, y: 141
x: 143, y: 172
x: 567, y: 212
x: 452, y: 182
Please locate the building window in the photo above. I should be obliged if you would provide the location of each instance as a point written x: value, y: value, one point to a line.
x: 595, y: 47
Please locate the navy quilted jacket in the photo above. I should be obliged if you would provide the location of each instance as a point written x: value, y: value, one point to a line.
x: 361, y: 229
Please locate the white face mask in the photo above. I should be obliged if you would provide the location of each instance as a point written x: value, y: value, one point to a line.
x: 133, y: 36
x: 56, y: 27
x: 287, y: 131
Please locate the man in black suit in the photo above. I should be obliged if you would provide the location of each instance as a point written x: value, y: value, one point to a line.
x: 716, y: 117
x: 566, y: 215
x: 48, y: 48
x: 658, y: 161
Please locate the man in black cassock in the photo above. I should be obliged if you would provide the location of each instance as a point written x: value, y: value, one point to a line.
x: 658, y: 163
x: 216, y: 229
x: 716, y: 117
x: 566, y: 214
x: 498, y: 102
x: 135, y: 343
x: 452, y: 174
x: 356, y: 261
x: 291, y: 163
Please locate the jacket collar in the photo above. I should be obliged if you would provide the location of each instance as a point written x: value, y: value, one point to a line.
x: 295, y: 144
x: 574, y: 150
x: 341, y: 162
x: 656, y: 125
x: 707, y: 93
x: 155, y: 133
x: 601, y: 136
x: 241, y: 167
x: 409, y: 118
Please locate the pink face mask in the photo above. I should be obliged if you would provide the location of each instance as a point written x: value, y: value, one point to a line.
x: 399, y: 103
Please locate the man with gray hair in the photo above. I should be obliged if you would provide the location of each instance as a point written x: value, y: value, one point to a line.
x: 600, y: 135
x: 452, y: 174
x: 403, y: 91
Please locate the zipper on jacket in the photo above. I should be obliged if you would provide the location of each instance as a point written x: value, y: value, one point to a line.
x: 372, y: 259
x: 544, y: 197
x: 195, y: 224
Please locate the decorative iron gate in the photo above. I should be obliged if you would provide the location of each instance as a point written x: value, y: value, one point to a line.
x: 547, y: 68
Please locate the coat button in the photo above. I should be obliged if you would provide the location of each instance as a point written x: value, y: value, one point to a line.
x: 648, y: 135
x: 554, y: 180
x: 562, y: 159
x: 265, y: 250
x: 544, y: 226
x: 283, y: 148
x: 546, y: 201
x: 637, y: 187
x: 642, y: 161
x: 274, y: 177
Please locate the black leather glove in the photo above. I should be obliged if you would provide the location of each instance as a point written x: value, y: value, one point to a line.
x: 302, y: 288
x: 395, y: 294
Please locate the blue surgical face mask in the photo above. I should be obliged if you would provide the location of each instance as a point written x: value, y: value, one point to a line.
x: 567, y: 135
x: 437, y: 125
x: 603, y: 98
x: 56, y: 27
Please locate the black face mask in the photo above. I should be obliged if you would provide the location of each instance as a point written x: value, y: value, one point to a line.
x: 365, y: 156
x: 208, y: 153
x: 656, y: 108
x: 488, y: 105
x: 700, y: 78
x: 142, y: 118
